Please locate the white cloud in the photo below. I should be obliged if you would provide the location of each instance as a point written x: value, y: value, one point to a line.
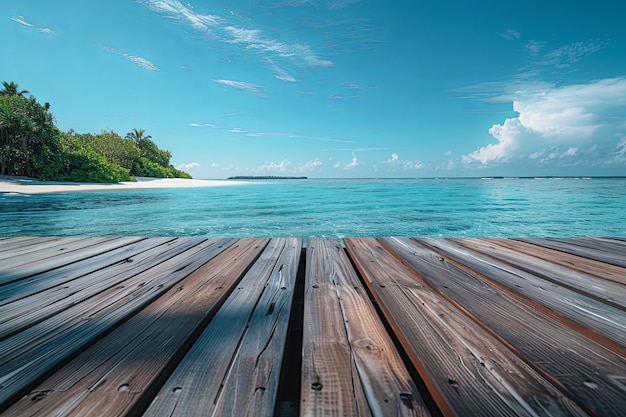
x: 510, y: 34
x: 557, y: 121
x: 189, y: 165
x: 22, y: 21
x: 352, y: 164
x: 202, y: 125
x: 335, y: 97
x: 447, y: 153
x: 137, y: 60
x: 247, y: 87
x: 286, y: 166
x: 393, y: 160
x: 173, y: 9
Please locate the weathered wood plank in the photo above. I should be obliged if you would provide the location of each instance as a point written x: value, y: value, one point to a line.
x: 120, y: 371
x: 350, y: 366
x: 599, y: 321
x: 72, y: 285
x: 589, y: 266
x: 569, y: 247
x: 234, y: 366
x: 606, y: 291
x: 94, y: 247
x: 467, y: 370
x: 590, y: 373
x: 615, y: 246
x: 31, y: 355
x: 14, y: 247
x: 45, y: 250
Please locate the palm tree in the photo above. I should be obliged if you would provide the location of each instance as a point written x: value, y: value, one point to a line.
x: 137, y: 136
x: 11, y: 89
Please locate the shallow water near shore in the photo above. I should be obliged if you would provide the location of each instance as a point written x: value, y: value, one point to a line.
x: 333, y: 208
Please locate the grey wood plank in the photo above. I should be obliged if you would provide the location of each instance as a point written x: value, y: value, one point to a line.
x: 234, y: 366
x: 31, y: 355
x: 602, y: 322
x: 600, y: 269
x: 45, y: 250
x: 569, y: 247
x: 127, y: 262
x: 615, y: 246
x: 609, y: 292
x: 467, y: 370
x: 21, y: 247
x: 120, y: 371
x: 587, y: 371
x: 94, y: 246
x: 350, y: 366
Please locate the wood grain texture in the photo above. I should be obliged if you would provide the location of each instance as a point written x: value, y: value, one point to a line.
x: 33, y: 354
x: 597, y: 320
x: 607, y: 291
x: 82, y: 249
x: 570, y: 247
x: 350, y: 365
x: 467, y: 370
x: 234, y: 366
x: 589, y: 266
x: 114, y: 374
x: 589, y: 373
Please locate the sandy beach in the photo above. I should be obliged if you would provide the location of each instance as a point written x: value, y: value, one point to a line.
x: 25, y: 185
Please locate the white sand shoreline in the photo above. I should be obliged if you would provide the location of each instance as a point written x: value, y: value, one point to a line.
x: 25, y: 185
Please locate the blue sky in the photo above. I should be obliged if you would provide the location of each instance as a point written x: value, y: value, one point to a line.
x: 336, y: 88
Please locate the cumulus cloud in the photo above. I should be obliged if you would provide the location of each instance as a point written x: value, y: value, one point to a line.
x: 137, y: 60
x: 557, y: 121
x: 352, y: 164
x: 392, y: 160
x: 189, y: 165
x: 286, y: 166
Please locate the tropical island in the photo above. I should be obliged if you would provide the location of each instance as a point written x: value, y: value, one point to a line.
x: 31, y: 145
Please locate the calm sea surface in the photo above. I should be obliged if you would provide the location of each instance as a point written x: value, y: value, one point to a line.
x: 333, y: 208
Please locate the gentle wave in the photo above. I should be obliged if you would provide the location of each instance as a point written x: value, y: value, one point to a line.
x: 332, y: 208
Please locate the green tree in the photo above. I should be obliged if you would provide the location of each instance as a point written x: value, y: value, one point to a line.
x: 11, y: 89
x: 138, y: 136
x: 29, y: 140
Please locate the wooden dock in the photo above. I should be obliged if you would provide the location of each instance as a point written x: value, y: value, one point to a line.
x: 132, y: 326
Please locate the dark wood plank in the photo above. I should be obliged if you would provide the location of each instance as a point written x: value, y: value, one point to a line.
x: 617, y: 247
x: 606, y: 291
x: 33, y: 354
x: 78, y: 251
x: 69, y: 286
x: 234, y: 366
x: 120, y: 371
x: 569, y: 247
x: 599, y: 321
x: 583, y: 368
x: 589, y: 266
x: 467, y: 370
x: 350, y: 366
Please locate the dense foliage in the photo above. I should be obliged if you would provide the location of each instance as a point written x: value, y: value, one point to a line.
x: 31, y: 145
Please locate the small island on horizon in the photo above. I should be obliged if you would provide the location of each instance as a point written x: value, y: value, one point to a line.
x: 264, y: 177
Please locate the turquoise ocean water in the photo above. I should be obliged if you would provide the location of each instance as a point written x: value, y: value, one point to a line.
x: 332, y: 208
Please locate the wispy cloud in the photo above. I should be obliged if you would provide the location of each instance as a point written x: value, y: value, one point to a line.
x: 510, y: 35
x: 257, y: 134
x: 216, y: 28
x: 137, y: 60
x: 244, y: 86
x: 280, y: 73
x: 184, y: 14
x: 23, y: 22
